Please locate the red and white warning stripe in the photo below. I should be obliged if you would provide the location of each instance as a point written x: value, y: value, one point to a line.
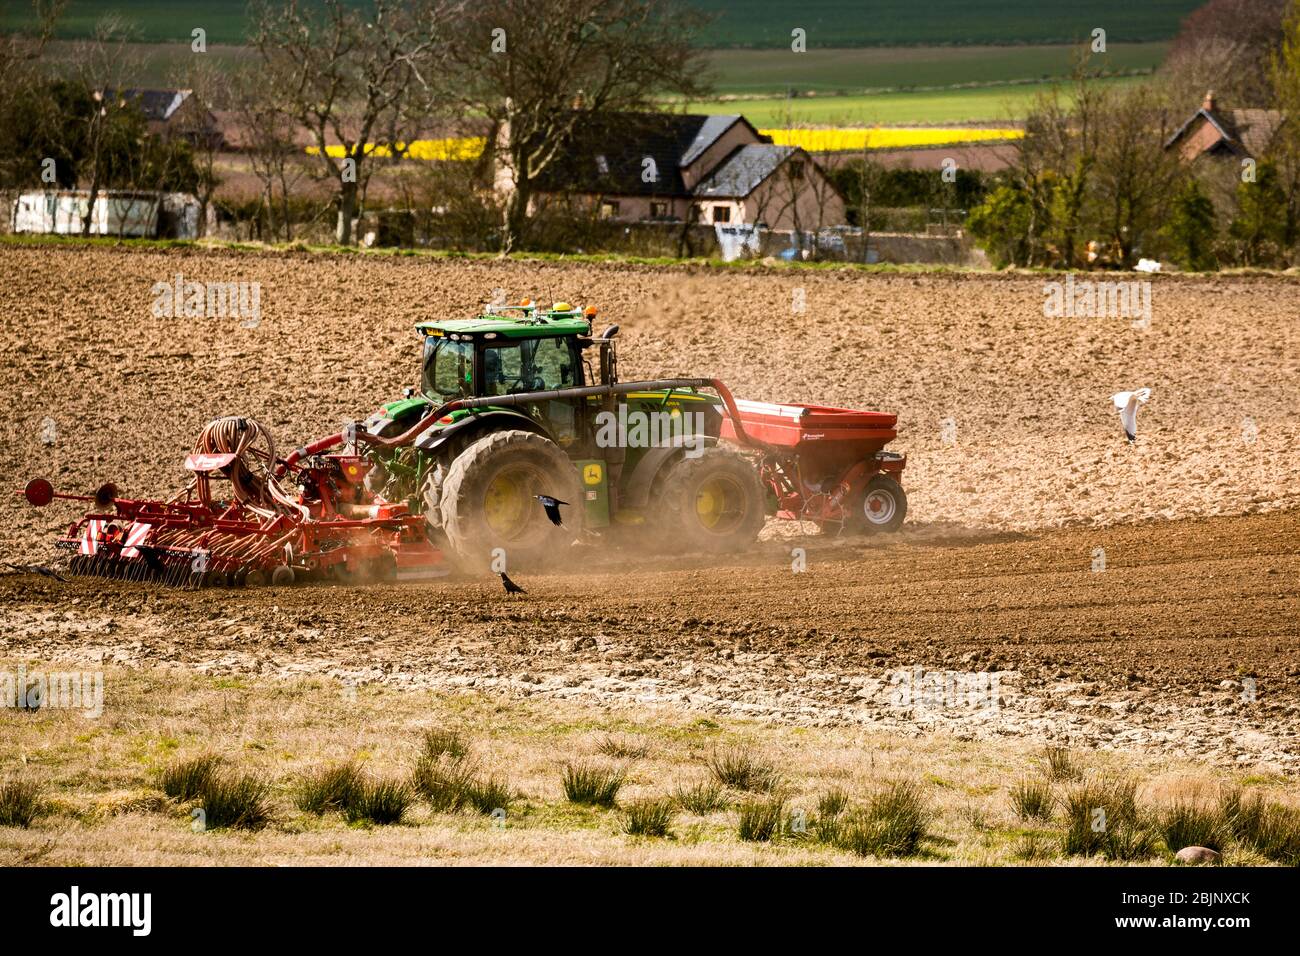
x: 139, y: 531
x: 90, y: 537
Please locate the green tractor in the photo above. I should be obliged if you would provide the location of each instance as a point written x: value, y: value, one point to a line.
x: 527, y: 402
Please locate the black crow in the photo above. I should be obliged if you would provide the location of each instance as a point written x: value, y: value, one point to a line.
x: 552, y: 506
x: 36, y: 569
x: 510, y: 586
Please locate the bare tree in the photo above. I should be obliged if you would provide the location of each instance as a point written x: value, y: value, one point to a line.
x: 869, y: 177
x: 461, y: 212
x: 820, y: 190
x: 1135, y: 176
x: 537, y: 68
x: 267, y: 136
x: 111, y: 139
x: 355, y: 79
x: 1284, y: 152
x: 1226, y: 46
x: 17, y: 48
x: 209, y: 86
x: 1055, y: 164
x: 20, y: 56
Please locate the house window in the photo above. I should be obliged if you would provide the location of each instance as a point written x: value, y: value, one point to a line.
x: 722, y: 214
x: 796, y: 169
x: 659, y: 210
x: 609, y: 209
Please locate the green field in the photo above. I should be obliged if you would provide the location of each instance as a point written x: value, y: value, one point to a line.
x: 150, y: 20
x: 983, y: 104
x: 746, y: 23
x: 767, y: 23
x: 972, y: 77
x: 859, y: 69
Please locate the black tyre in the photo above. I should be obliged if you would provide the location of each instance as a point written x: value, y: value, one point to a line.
x: 882, y: 506
x: 487, y: 502
x: 713, y: 502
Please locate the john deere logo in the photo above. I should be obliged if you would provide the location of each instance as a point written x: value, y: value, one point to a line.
x: 591, y: 474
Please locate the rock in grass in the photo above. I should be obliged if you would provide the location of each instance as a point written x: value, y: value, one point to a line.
x: 1198, y: 856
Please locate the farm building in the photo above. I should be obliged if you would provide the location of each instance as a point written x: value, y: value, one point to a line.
x: 636, y: 167
x: 1225, y: 133
x: 137, y: 215
x: 169, y: 113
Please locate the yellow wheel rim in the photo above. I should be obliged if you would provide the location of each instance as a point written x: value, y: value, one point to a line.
x: 717, y: 504
x: 506, y: 503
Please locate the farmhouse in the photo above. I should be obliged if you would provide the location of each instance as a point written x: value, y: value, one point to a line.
x: 1224, y: 133
x: 169, y: 113
x: 636, y: 167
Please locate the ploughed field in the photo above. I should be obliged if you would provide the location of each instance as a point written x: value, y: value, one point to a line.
x: 1018, y: 474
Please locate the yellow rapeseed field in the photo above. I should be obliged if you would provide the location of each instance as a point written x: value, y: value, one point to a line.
x: 456, y: 147
x: 813, y: 140
x: 828, y: 140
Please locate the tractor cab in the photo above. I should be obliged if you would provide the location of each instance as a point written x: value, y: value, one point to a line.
x: 505, y: 351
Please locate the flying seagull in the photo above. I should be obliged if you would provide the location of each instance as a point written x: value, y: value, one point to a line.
x: 1127, y: 403
x: 510, y: 586
x: 552, y: 506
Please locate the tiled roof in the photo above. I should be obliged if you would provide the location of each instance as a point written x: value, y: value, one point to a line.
x: 709, y: 132
x: 1247, y: 132
x: 742, y: 172
x: 1254, y: 128
x: 634, y: 154
x: 156, y: 105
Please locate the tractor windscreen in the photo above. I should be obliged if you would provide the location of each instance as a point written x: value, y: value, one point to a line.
x: 448, y: 368
x: 528, y: 365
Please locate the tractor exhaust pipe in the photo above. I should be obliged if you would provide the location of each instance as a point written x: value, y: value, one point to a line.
x: 524, y: 398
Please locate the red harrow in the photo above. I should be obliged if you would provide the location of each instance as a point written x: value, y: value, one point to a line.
x: 279, y: 520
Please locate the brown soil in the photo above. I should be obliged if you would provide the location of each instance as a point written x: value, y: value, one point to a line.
x: 993, y: 573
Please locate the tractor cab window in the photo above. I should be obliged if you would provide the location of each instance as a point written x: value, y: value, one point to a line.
x: 448, y: 368
x: 528, y: 365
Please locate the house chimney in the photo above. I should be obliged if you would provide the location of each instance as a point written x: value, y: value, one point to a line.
x: 1209, y: 101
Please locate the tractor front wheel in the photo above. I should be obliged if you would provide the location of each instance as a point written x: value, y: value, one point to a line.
x: 713, y: 502
x: 881, y: 506
x: 487, y: 500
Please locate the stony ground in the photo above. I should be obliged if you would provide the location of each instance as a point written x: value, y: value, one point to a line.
x: 1186, y: 644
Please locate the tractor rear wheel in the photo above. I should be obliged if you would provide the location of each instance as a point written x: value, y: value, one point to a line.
x: 713, y: 502
x: 487, y: 500
x: 882, y: 506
